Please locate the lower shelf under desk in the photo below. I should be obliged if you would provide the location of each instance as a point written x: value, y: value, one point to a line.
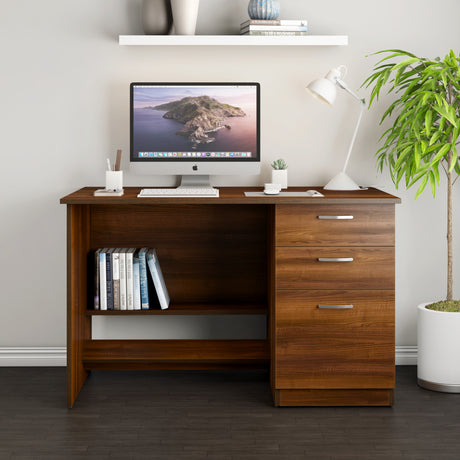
x: 189, y: 309
x: 174, y: 354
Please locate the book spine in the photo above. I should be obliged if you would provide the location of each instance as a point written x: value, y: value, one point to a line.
x: 276, y: 34
x: 261, y: 22
x: 109, y: 279
x: 123, y: 305
x: 103, y: 280
x: 129, y: 281
x: 143, y: 279
x: 274, y: 22
x: 274, y: 29
x: 136, y: 284
x: 96, y: 280
x: 116, y: 279
x: 158, y: 280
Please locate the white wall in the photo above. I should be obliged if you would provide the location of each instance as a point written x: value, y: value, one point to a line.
x: 64, y: 107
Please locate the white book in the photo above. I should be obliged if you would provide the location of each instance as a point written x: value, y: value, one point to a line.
x: 274, y: 29
x: 129, y: 279
x: 123, y: 305
x: 136, y: 283
x: 116, y: 279
x: 102, y: 280
x: 158, y: 280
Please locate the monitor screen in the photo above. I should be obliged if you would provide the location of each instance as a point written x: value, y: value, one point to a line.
x: 195, y: 122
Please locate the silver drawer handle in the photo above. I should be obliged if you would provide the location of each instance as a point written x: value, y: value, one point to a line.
x: 335, y: 217
x: 335, y: 259
x: 335, y: 307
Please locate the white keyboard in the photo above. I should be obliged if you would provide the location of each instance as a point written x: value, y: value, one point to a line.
x: 180, y: 192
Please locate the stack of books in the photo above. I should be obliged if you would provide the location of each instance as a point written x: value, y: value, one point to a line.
x: 274, y: 27
x: 128, y: 279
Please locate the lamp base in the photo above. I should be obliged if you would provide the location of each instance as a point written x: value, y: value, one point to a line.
x: 341, y: 182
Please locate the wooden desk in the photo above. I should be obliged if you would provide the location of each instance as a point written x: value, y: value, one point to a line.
x: 330, y: 328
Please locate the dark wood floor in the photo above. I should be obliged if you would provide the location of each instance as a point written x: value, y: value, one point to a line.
x: 216, y: 415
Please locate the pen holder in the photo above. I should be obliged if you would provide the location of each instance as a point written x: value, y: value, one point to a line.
x: 114, y: 181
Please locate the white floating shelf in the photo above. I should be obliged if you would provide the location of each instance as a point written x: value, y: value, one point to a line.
x: 233, y: 40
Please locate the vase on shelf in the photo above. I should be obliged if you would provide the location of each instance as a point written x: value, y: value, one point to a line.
x: 264, y: 9
x: 185, y: 14
x: 156, y: 17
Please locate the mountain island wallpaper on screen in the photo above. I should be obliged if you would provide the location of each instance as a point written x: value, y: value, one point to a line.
x: 187, y: 119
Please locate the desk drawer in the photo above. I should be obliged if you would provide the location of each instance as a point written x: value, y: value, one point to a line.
x: 335, y: 268
x: 335, y: 225
x: 334, y: 347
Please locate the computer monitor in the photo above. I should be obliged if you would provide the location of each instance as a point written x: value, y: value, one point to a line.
x: 195, y: 129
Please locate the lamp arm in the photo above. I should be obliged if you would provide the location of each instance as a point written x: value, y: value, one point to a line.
x: 363, y: 105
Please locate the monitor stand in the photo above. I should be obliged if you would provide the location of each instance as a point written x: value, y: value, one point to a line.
x: 198, y: 181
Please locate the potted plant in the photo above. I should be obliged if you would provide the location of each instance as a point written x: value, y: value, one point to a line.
x: 419, y: 146
x: 279, y: 173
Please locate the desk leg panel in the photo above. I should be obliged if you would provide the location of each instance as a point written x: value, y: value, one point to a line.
x: 78, y: 324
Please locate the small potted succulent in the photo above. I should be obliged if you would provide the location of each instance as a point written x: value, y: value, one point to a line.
x: 279, y: 173
x: 421, y: 144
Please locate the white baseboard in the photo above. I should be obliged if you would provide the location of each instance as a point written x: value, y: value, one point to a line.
x: 32, y: 356
x: 406, y: 355
x: 56, y: 356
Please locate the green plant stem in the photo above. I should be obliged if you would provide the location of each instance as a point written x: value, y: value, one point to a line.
x: 449, y: 230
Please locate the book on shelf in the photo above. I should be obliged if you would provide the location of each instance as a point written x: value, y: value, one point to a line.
x: 109, y: 278
x: 275, y: 34
x: 102, y: 280
x: 143, y: 278
x: 129, y: 279
x: 273, y: 29
x: 158, y: 280
x: 122, y: 255
x: 136, y: 282
x: 274, y: 22
x: 116, y: 279
x: 96, y: 280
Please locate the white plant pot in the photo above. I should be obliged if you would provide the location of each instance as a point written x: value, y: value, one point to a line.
x: 280, y: 176
x: 185, y: 14
x: 438, y: 341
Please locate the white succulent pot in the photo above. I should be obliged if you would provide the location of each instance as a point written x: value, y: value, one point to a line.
x: 438, y: 354
x: 185, y: 14
x: 280, y: 176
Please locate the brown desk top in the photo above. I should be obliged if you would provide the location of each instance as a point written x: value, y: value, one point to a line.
x: 235, y: 195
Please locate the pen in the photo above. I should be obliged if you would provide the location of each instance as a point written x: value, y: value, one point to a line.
x: 109, y: 168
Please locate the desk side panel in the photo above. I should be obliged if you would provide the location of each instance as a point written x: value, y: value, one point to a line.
x: 78, y: 324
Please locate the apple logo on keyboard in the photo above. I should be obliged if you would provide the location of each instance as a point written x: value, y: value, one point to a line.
x: 195, y: 167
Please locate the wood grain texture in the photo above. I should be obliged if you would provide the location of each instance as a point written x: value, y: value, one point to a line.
x: 208, y: 254
x: 235, y: 195
x: 299, y: 268
x: 117, y: 353
x: 78, y: 324
x: 321, y: 348
x: 190, y: 309
x: 300, y: 225
x: 369, y: 397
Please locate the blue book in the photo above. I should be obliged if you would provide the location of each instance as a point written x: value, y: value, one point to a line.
x: 136, y: 283
x: 143, y: 278
x: 109, y: 279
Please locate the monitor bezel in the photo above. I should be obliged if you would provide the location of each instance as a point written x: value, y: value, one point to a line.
x: 133, y: 159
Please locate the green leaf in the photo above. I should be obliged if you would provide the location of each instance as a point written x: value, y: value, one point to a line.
x: 422, y: 186
x: 442, y: 152
x: 454, y: 158
x: 428, y: 121
x: 432, y: 183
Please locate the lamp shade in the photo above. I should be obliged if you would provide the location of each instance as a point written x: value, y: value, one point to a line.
x: 323, y: 89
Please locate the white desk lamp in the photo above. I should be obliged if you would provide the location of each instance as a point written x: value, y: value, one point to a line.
x: 325, y: 90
